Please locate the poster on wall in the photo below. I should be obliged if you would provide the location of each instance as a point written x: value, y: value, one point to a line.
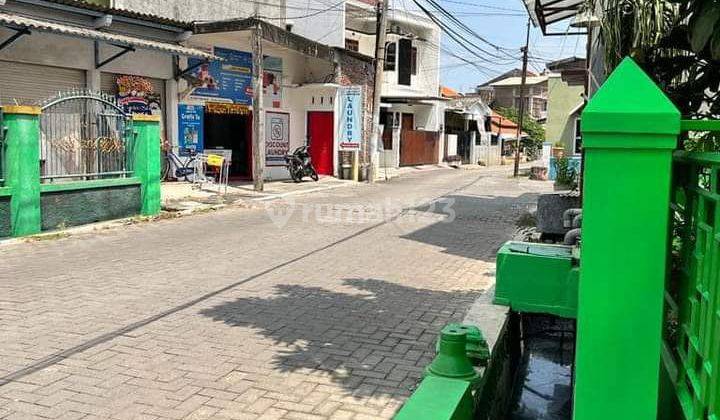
x: 229, y: 79
x: 272, y: 82
x: 190, y: 127
x: 135, y: 95
x: 277, y: 138
x: 351, y: 117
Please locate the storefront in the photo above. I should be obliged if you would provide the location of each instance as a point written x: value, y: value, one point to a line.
x: 301, y: 99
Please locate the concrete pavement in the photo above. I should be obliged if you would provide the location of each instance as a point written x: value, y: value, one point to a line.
x: 322, y: 306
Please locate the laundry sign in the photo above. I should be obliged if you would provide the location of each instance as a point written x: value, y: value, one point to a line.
x: 351, y: 113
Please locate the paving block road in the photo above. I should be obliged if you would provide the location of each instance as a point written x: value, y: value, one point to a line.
x: 321, y: 306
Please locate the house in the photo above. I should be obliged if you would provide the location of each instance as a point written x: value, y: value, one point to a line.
x: 467, y: 131
x: 487, y: 93
x: 411, y: 108
x: 504, y: 133
x: 566, y: 86
x: 506, y: 94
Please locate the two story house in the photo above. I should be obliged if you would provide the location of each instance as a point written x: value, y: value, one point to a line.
x: 412, y: 110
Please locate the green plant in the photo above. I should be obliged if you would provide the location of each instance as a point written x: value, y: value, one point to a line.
x: 677, y: 42
x: 565, y: 173
x: 536, y: 133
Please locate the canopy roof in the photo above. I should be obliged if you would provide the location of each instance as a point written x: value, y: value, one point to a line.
x: 546, y: 12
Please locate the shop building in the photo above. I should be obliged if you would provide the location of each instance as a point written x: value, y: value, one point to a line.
x: 312, y: 93
x: 51, y: 47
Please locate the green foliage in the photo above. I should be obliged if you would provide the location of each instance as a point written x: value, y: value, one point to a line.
x: 678, y: 43
x: 566, y: 174
x: 534, y: 130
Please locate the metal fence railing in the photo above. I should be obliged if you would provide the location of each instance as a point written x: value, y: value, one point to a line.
x: 692, y: 328
x: 84, y: 136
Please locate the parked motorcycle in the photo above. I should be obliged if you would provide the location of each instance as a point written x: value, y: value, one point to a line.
x: 300, y: 165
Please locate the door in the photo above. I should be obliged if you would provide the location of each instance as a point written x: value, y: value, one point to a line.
x: 408, y: 122
x: 320, y: 139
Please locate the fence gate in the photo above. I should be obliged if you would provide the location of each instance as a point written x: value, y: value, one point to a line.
x: 84, y: 136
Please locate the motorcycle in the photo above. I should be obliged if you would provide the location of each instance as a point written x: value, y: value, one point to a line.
x: 300, y: 165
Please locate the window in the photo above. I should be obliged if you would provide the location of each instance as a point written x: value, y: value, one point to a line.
x: 390, y: 56
x: 352, y: 45
x: 578, y: 137
x: 413, y: 61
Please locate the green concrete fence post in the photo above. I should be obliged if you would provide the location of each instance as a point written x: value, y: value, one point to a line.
x: 147, y: 161
x: 630, y: 129
x: 22, y: 168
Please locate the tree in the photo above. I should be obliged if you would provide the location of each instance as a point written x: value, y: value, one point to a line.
x: 535, y: 131
x: 677, y: 42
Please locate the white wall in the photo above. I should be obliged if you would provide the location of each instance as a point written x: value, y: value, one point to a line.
x: 427, y: 80
x: 195, y: 10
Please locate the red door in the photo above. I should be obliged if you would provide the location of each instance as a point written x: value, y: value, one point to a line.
x: 320, y: 139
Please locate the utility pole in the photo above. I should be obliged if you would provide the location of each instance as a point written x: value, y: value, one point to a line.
x: 380, y: 36
x: 523, y: 81
x: 258, y: 132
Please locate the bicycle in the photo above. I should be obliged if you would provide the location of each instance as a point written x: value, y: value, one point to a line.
x: 183, y: 162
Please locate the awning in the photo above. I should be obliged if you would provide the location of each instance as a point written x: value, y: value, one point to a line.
x: 21, y: 22
x: 546, y: 12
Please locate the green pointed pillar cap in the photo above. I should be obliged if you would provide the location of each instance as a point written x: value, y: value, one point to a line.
x: 630, y: 102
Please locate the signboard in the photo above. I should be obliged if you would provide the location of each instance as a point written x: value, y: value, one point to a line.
x: 137, y: 96
x: 229, y: 79
x: 190, y: 127
x: 272, y: 82
x: 351, y: 117
x: 226, y: 109
x: 277, y: 138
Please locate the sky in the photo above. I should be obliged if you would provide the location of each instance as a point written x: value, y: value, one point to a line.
x: 504, y: 23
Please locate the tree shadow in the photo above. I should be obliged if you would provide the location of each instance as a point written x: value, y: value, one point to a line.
x: 472, y: 226
x: 376, y: 339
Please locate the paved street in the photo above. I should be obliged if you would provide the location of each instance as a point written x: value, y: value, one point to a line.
x: 234, y: 314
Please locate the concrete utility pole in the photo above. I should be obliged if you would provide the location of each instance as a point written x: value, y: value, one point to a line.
x: 523, y: 81
x: 380, y: 36
x: 258, y: 132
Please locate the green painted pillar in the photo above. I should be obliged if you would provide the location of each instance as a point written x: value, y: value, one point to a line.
x: 630, y: 129
x: 22, y: 168
x: 147, y: 161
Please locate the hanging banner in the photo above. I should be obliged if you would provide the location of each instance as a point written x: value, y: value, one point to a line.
x: 229, y: 79
x: 135, y: 95
x: 277, y: 138
x: 351, y: 117
x: 190, y: 127
x: 272, y: 82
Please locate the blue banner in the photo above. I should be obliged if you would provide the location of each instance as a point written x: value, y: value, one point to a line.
x: 351, y: 113
x: 229, y: 79
x: 190, y: 127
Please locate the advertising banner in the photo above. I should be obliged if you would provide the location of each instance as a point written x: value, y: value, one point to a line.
x: 229, y: 79
x: 272, y: 82
x: 135, y: 95
x: 190, y: 127
x: 351, y: 117
x: 277, y: 138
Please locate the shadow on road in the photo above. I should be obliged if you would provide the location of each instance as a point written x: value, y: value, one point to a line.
x: 472, y: 226
x: 376, y: 340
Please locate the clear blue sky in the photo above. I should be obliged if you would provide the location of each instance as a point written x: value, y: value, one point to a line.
x: 502, y: 22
